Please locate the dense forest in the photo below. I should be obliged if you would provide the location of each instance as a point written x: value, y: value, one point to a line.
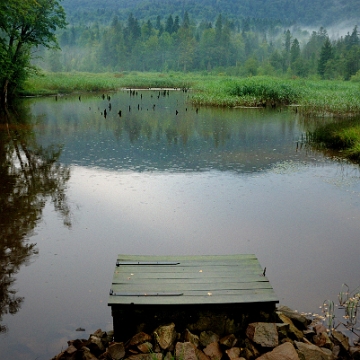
x: 245, y: 47
x: 302, y: 12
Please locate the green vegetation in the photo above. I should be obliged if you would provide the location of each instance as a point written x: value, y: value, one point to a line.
x: 251, y: 47
x: 312, y: 97
x: 309, y: 12
x: 24, y: 25
x: 65, y: 83
x: 343, y: 135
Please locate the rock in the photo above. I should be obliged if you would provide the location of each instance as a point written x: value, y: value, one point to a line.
x: 295, y: 316
x: 285, y: 351
x: 293, y: 330
x: 213, y: 351
x: 283, y: 330
x: 71, y: 349
x: 355, y: 352
x: 233, y: 353
x: 208, y: 337
x: 228, y: 341
x: 154, y: 356
x: 87, y: 354
x: 323, y: 340
x: 185, y: 351
x: 145, y: 347
x: 319, y: 328
x: 200, y: 355
x: 190, y: 337
x: 263, y: 334
x: 95, y: 345
x: 341, y: 339
x: 165, y: 336
x: 116, y: 350
x: 313, y: 352
x: 139, y: 338
x: 250, y: 350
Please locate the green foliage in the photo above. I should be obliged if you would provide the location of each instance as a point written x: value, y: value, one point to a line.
x: 23, y: 25
x: 314, y: 12
x: 267, y: 90
x: 341, y: 135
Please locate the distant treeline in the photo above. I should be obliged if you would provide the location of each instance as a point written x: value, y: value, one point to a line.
x: 249, y: 47
x: 304, y: 12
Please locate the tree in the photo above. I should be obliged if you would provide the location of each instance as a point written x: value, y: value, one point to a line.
x: 326, y: 54
x: 169, y: 27
x: 25, y: 24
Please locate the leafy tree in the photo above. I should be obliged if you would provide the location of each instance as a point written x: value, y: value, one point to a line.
x: 23, y: 25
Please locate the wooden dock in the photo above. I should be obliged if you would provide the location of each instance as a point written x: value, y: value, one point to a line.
x: 153, y: 290
x: 190, y: 280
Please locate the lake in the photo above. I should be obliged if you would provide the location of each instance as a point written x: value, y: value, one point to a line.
x: 157, y: 176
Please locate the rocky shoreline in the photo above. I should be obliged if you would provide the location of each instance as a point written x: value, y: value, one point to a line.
x: 280, y: 335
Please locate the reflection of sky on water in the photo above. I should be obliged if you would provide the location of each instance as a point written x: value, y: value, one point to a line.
x: 298, y: 212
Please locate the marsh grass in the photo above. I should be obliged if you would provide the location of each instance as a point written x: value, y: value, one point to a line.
x: 313, y: 97
x: 65, y: 83
x: 340, y: 135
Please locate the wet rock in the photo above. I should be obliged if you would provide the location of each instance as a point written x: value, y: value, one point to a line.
x: 285, y: 351
x: 263, y: 334
x: 208, y: 337
x: 139, y: 338
x: 213, y: 351
x: 190, y: 337
x: 313, y: 352
x: 293, y: 330
x: 228, y: 341
x: 233, y: 353
x: 298, y: 319
x: 341, y: 339
x: 165, y: 336
x: 116, y: 351
x: 185, y: 351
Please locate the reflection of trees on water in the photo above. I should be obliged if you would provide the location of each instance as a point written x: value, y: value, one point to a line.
x: 29, y: 175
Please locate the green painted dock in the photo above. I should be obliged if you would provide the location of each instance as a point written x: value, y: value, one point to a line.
x: 189, y: 280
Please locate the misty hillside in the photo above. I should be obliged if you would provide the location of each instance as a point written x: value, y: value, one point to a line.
x: 301, y: 12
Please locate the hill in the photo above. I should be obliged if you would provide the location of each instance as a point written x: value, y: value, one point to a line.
x: 300, y: 12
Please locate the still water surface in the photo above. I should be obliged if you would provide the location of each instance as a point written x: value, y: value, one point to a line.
x: 154, y: 181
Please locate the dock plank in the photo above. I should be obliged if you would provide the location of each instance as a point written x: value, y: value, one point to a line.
x: 179, y: 280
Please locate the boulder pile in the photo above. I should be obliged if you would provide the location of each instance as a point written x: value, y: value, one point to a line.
x: 290, y: 337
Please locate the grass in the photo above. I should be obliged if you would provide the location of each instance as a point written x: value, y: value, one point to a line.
x: 314, y: 97
x: 341, y: 135
x: 65, y: 83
